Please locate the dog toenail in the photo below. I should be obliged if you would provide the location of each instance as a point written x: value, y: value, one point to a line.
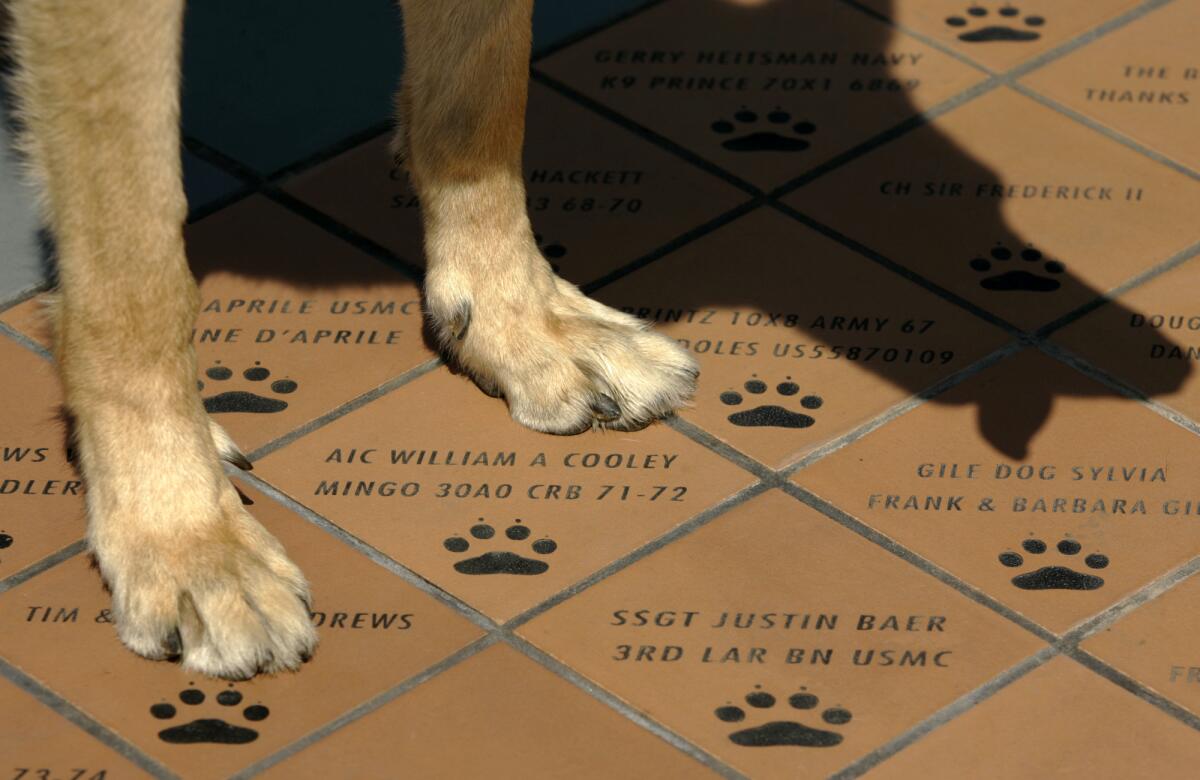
x: 461, y: 322
x: 605, y: 408
x: 240, y: 460
x: 173, y: 644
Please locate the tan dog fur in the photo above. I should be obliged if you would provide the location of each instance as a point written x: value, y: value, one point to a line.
x: 192, y: 574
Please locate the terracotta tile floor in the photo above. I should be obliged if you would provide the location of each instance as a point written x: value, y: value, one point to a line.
x: 934, y: 512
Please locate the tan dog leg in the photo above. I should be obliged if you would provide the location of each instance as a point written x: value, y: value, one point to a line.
x: 191, y: 572
x: 563, y: 361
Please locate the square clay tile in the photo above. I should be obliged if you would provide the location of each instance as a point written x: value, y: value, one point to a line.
x: 599, y: 197
x: 1149, y: 338
x: 438, y: 477
x: 41, y: 494
x: 780, y: 642
x: 1032, y: 482
x: 1060, y: 721
x: 1156, y: 644
x: 766, y: 91
x: 293, y: 321
x: 36, y: 742
x: 1140, y: 80
x: 1028, y: 219
x: 30, y: 318
x: 375, y: 631
x: 799, y: 339
x: 1001, y: 33
x: 496, y: 715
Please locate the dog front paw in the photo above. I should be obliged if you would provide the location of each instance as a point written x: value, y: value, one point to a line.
x: 564, y: 362
x: 216, y: 591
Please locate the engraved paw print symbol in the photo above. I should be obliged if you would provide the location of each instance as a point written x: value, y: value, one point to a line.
x: 1010, y: 279
x: 492, y: 562
x: 770, y: 415
x: 214, y: 730
x: 783, y: 732
x: 1055, y: 577
x: 1010, y: 28
x: 245, y: 400
x: 552, y: 251
x: 780, y: 134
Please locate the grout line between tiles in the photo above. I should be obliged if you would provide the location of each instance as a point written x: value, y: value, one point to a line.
x: 891, y: 265
x: 1144, y: 595
x: 1122, y: 680
x: 1170, y: 264
x: 341, y: 411
x: 931, y: 393
x: 853, y: 524
x: 238, y: 194
x: 946, y: 714
x: 673, y: 245
x: 369, y: 706
x: 22, y: 295
x: 928, y: 40
x: 720, y: 447
x: 298, y: 207
x: 327, y: 153
x: 904, y: 127
x: 358, y: 545
x: 645, y: 133
x: 1108, y: 132
x: 1069, y: 358
x: 347, y: 234
x: 1088, y: 36
x: 86, y: 723
x: 620, y: 706
x: 685, y: 528
x: 25, y: 341
x: 36, y: 568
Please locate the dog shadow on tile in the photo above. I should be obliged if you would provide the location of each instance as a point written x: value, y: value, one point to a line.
x: 1010, y: 271
x: 1005, y: 272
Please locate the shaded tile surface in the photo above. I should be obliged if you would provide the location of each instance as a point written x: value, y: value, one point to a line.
x: 931, y: 513
x: 1148, y: 338
x: 764, y: 90
x: 1026, y: 219
x: 799, y: 339
x: 263, y: 82
x: 599, y: 197
x: 284, y: 304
